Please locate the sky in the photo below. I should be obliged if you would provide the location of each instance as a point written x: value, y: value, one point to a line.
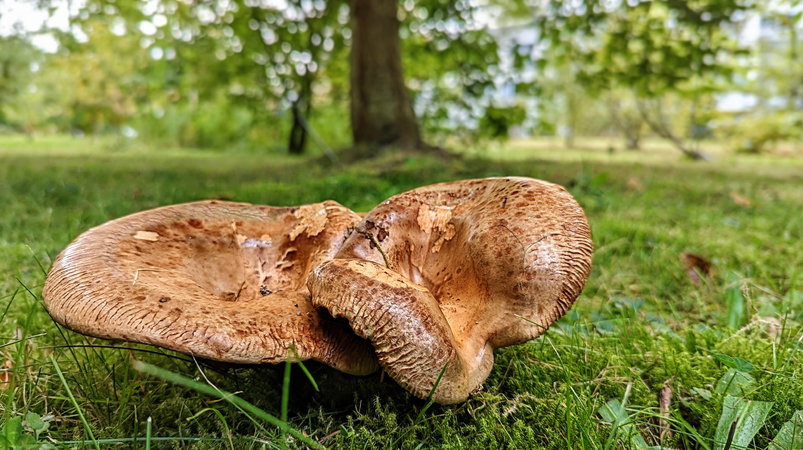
x: 27, y: 15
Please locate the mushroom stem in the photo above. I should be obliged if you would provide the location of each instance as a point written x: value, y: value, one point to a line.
x: 403, y: 321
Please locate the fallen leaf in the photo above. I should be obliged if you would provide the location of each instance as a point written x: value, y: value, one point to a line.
x: 695, y: 266
x: 5, y: 374
x: 740, y: 200
x: 633, y: 184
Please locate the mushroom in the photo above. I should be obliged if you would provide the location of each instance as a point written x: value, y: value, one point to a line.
x: 438, y: 277
x: 219, y: 280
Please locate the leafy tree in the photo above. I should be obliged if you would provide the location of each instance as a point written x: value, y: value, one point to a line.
x: 623, y: 110
x: 775, y: 79
x: 17, y: 60
x: 452, y: 63
x: 779, y: 72
x: 287, y: 47
x: 282, y: 55
x: 651, y: 47
x: 98, y: 88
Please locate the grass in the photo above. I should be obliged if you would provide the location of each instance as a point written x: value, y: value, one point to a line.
x: 640, y: 325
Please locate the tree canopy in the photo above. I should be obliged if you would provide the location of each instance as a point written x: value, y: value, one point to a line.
x: 218, y: 72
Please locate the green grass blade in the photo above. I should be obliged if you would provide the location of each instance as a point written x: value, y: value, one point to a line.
x: 308, y: 375
x: 148, y: 425
x: 229, y: 397
x: 74, y: 402
x: 429, y: 396
x: 26, y: 338
x: 220, y: 417
x: 736, y: 303
x: 614, y: 412
x: 748, y: 416
x: 288, y: 367
x: 8, y: 305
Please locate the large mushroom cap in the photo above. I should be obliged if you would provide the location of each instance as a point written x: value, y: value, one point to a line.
x: 220, y: 280
x: 471, y: 266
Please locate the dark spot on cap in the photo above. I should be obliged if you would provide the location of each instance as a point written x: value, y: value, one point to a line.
x: 381, y: 234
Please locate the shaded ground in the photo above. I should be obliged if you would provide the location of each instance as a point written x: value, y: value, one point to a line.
x: 640, y: 322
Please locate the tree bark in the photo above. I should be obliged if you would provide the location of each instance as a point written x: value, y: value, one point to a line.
x: 659, y: 125
x: 298, y: 134
x: 301, y: 108
x: 381, y: 110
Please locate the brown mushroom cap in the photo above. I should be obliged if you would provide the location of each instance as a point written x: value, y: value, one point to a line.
x: 473, y: 265
x: 220, y: 280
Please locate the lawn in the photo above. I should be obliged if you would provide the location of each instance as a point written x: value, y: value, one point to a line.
x: 641, y: 328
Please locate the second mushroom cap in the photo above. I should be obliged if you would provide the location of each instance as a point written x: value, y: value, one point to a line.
x: 438, y: 277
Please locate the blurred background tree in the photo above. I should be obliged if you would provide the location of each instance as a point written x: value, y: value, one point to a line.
x: 282, y: 74
x: 18, y: 60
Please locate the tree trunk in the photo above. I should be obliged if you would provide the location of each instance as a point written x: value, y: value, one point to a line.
x: 633, y: 142
x: 301, y: 108
x: 381, y: 110
x: 298, y: 134
x: 659, y: 125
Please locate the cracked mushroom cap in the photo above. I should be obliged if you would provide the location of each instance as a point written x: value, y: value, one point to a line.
x: 219, y: 280
x: 440, y: 276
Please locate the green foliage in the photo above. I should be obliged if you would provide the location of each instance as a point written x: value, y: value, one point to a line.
x: 496, y: 122
x: 657, y: 50
x: 242, y: 405
x: 737, y: 305
x: 17, y: 60
x: 25, y: 433
x: 257, y: 63
x: 451, y: 62
x: 614, y: 413
x: 650, y: 46
x: 223, y: 74
x: 761, y: 132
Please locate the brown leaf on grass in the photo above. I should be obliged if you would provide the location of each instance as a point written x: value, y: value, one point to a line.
x: 664, y: 403
x: 5, y: 374
x: 633, y: 184
x: 695, y: 266
x: 740, y: 199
